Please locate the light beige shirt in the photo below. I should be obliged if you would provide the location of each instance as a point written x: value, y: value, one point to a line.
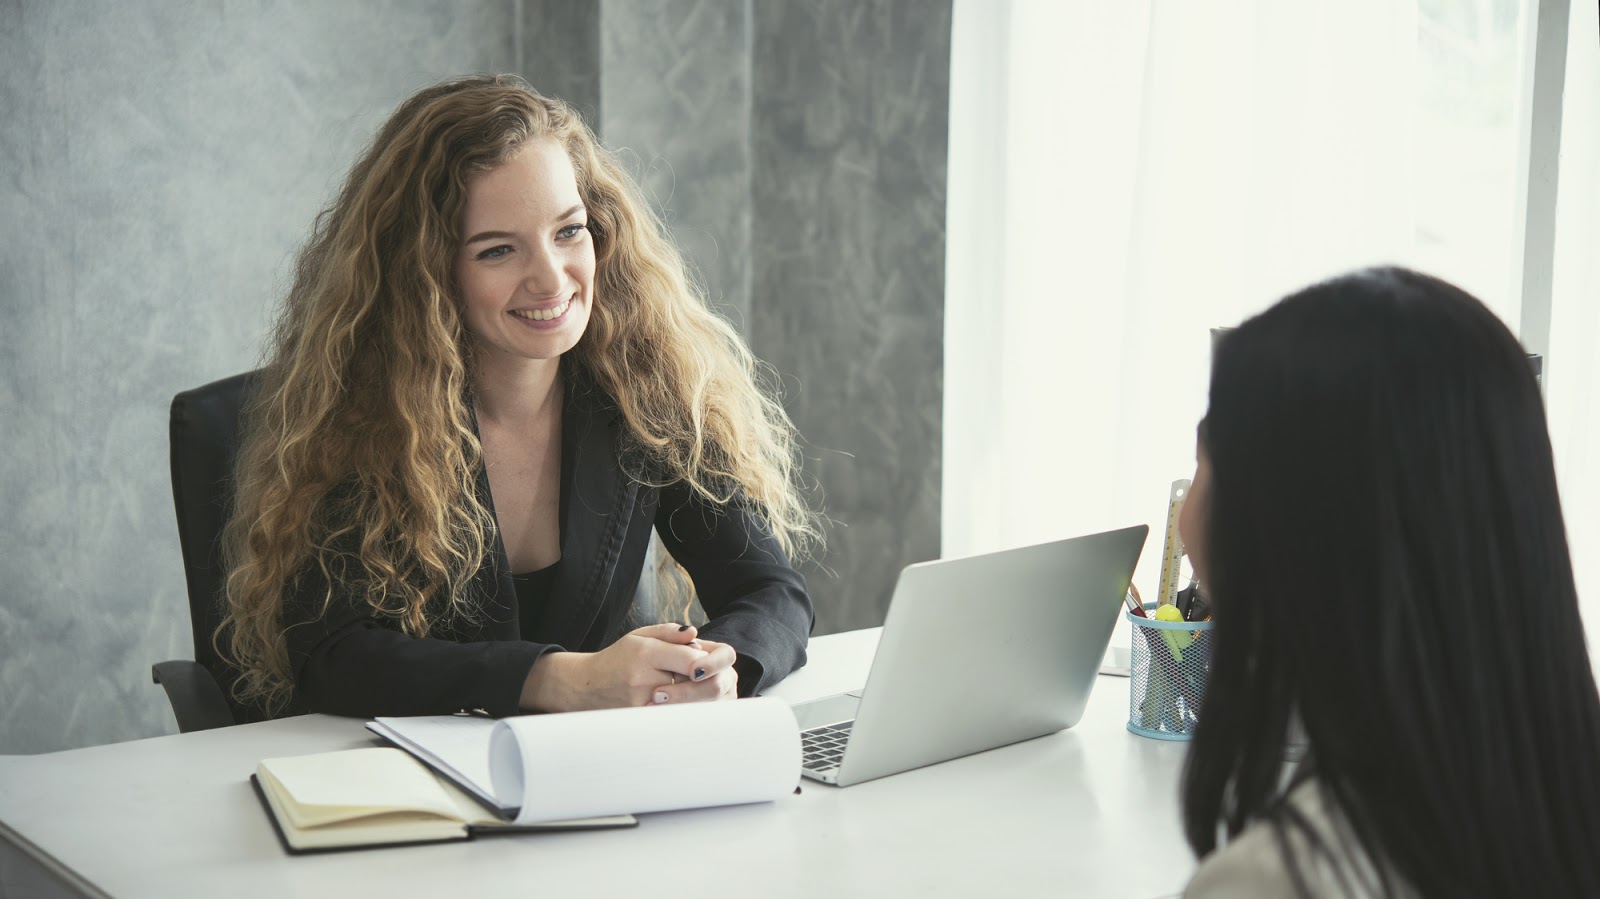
x: 1253, y: 867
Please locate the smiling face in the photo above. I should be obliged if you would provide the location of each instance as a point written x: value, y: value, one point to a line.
x: 526, y: 264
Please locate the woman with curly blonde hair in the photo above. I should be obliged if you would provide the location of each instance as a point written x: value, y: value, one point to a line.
x: 490, y: 384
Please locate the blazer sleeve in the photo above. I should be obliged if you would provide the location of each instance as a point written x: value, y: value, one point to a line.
x: 347, y: 661
x: 754, y: 598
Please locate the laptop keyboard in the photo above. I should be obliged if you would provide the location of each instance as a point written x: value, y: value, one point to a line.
x: 823, y: 747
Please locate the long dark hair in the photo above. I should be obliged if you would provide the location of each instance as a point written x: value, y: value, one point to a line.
x: 1387, y: 560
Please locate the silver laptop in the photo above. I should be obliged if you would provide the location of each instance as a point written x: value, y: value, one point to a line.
x: 976, y: 653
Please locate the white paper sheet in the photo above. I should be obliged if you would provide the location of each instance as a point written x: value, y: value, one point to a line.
x: 651, y: 759
x: 455, y: 745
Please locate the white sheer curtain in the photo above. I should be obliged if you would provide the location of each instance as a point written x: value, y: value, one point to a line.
x: 1126, y: 176
x: 1572, y: 385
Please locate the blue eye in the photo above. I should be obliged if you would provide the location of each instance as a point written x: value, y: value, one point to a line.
x: 571, y: 231
x: 494, y: 252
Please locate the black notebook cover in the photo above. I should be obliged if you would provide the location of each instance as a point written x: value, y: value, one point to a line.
x: 471, y: 832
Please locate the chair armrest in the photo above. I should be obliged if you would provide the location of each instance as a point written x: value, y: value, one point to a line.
x: 197, y: 701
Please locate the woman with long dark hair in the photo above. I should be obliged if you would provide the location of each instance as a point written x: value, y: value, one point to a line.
x: 1375, y: 518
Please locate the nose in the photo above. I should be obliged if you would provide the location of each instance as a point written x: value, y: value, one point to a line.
x: 543, y: 276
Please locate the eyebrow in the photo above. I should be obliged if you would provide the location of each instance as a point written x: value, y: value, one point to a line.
x: 503, y: 235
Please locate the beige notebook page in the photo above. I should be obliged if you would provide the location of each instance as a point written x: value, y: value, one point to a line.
x: 331, y: 787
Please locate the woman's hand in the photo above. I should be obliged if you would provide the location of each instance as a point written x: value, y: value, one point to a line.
x: 631, y: 672
x: 713, y: 678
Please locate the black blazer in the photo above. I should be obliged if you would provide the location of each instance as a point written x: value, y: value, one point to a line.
x: 349, y: 662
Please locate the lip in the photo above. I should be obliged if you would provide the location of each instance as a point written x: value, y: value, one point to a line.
x: 571, y: 300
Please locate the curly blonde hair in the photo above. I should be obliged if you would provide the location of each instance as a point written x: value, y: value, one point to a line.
x: 360, y: 453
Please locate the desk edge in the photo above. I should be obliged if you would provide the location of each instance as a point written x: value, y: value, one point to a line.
x: 49, y: 866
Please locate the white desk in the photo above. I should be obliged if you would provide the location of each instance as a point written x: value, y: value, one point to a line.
x: 1091, y: 811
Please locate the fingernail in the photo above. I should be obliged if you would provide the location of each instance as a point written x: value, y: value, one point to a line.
x: 695, y: 643
x: 682, y: 628
x: 661, y: 696
x: 699, y: 673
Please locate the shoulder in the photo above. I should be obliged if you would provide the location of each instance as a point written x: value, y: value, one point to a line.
x: 1249, y: 866
x: 1254, y: 863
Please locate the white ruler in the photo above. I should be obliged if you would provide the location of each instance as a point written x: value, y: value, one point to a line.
x: 1172, y: 549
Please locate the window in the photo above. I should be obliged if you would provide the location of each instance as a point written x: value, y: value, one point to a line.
x: 1124, y: 177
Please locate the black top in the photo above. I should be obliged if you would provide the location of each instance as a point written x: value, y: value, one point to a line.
x: 533, y: 588
x: 348, y: 660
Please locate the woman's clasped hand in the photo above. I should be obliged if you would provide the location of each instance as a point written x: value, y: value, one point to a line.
x: 655, y: 665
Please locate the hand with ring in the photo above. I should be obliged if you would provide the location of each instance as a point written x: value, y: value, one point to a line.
x: 710, y: 678
x: 629, y: 671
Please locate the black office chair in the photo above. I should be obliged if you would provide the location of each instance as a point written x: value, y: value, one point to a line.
x: 204, y: 432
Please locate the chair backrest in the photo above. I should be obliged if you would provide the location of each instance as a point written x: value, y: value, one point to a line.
x: 204, y: 431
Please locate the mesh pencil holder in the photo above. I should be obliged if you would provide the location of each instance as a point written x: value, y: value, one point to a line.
x: 1167, y: 675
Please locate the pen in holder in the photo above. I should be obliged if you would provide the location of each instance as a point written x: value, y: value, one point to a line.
x: 1167, y: 675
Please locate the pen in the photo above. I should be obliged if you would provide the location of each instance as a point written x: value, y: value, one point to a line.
x: 1181, y: 601
x: 1133, y: 602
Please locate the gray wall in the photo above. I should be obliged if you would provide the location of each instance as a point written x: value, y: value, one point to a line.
x: 161, y: 162
x: 850, y: 132
x: 798, y: 151
x: 558, y: 44
x: 675, y: 97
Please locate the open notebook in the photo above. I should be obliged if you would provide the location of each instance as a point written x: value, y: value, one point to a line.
x: 567, y: 771
x: 361, y: 798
